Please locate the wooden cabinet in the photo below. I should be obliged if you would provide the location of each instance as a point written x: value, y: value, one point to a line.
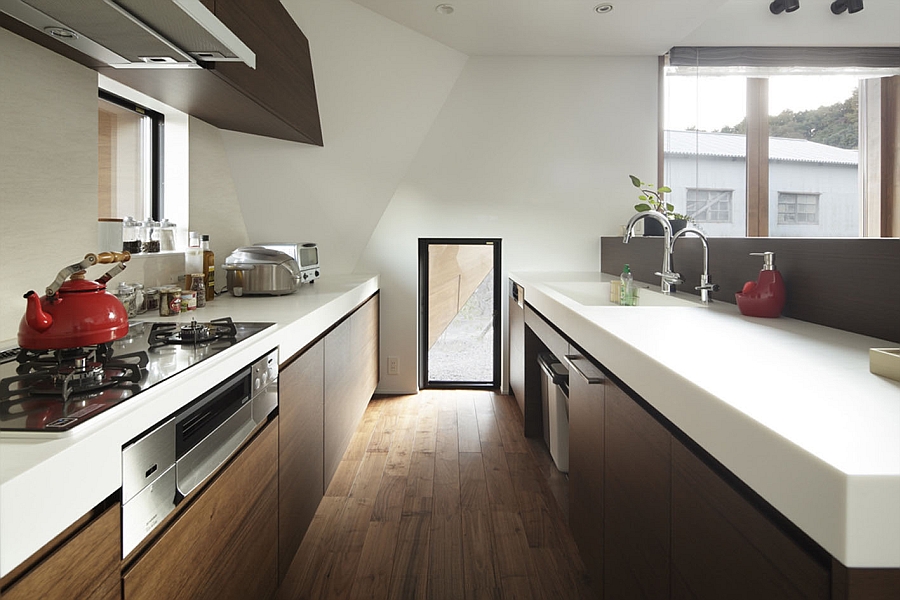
x: 282, y: 82
x: 300, y: 456
x: 224, y: 545
x: 637, y: 487
x: 86, y: 566
x: 276, y: 99
x: 724, y: 547
x: 351, y: 374
x: 586, y: 481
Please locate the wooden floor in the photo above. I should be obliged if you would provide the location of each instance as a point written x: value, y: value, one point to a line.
x: 440, y: 496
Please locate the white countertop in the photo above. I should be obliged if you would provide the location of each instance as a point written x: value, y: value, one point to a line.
x: 788, y: 406
x: 48, y: 481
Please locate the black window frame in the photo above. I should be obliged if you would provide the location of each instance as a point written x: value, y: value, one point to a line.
x: 157, y: 134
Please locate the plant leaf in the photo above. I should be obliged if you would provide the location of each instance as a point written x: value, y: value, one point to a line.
x: 669, y: 207
x: 664, y: 188
x: 635, y: 181
x: 641, y: 207
x: 644, y: 198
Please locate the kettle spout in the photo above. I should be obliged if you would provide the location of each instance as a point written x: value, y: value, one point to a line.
x: 35, y: 316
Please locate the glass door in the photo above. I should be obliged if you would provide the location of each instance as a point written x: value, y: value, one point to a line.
x: 459, y: 327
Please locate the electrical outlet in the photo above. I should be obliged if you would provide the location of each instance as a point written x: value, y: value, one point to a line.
x: 393, y: 365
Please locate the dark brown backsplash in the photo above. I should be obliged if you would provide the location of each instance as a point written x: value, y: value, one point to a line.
x: 849, y: 284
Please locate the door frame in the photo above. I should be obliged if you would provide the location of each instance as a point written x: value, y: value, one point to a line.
x: 424, y: 383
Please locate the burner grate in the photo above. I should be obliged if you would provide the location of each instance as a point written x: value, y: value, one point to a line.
x: 193, y: 334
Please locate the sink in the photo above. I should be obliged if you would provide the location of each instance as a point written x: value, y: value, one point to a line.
x: 596, y: 293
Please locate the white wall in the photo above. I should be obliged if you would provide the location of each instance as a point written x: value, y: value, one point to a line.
x: 536, y: 151
x: 48, y: 170
x: 379, y: 88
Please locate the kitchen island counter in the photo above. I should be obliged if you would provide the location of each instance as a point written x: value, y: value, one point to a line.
x: 49, y: 480
x: 789, y: 407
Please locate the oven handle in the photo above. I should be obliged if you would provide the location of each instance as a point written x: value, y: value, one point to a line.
x: 204, y: 459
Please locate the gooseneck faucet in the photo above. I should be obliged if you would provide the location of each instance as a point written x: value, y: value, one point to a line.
x: 668, y: 278
x: 705, y: 286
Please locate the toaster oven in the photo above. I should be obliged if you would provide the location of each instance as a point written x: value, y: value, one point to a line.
x: 305, y: 253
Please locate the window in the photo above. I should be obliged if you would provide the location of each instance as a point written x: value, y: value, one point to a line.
x: 798, y: 209
x: 761, y: 120
x: 709, y: 206
x: 129, y: 159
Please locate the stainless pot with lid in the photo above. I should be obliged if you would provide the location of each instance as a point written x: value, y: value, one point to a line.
x: 261, y: 271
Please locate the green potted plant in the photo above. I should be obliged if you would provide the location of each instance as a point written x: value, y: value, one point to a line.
x: 652, y: 199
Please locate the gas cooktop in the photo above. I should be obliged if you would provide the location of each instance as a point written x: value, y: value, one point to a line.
x: 56, y: 390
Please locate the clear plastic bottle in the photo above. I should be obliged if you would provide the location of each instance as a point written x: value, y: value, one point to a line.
x: 626, y: 293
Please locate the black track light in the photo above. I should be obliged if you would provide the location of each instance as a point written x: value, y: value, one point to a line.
x: 851, y: 6
x: 779, y: 6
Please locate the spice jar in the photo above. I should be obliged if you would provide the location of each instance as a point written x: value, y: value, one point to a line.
x: 188, y: 300
x: 169, y: 301
x: 140, y: 305
x: 125, y: 294
x: 151, y: 299
x: 198, y: 284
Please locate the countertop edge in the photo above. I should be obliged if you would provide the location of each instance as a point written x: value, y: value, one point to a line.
x: 48, y: 480
x: 833, y: 507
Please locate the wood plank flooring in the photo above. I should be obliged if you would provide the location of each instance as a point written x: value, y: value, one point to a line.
x: 440, y: 495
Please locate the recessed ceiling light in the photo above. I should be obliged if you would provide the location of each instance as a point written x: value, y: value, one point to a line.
x: 61, y: 32
x: 444, y: 9
x: 603, y: 8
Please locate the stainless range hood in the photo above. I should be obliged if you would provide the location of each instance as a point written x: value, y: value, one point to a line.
x: 135, y: 33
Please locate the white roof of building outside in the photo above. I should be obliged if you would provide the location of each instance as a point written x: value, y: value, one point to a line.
x: 734, y: 145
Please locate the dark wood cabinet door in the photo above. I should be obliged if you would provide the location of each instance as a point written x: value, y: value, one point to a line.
x: 364, y: 333
x: 282, y: 81
x: 351, y: 374
x: 224, y: 546
x: 724, y: 547
x: 637, y: 488
x: 86, y: 566
x: 300, y: 455
x: 586, y: 414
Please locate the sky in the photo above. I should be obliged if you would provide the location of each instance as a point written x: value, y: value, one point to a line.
x: 724, y: 102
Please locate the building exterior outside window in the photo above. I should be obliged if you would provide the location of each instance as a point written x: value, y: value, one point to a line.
x: 709, y: 206
x: 798, y: 208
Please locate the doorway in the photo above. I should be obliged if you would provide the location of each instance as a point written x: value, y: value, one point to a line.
x: 459, y: 315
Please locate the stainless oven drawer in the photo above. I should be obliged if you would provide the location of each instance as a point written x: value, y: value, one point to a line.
x: 144, y: 512
x: 144, y: 461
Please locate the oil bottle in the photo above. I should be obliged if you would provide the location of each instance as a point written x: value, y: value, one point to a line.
x: 209, y: 268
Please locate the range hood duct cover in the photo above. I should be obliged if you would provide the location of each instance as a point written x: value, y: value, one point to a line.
x: 135, y: 33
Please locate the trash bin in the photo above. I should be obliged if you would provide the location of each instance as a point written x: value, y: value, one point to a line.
x: 555, y: 405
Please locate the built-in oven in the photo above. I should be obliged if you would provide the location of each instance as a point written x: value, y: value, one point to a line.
x: 162, y: 466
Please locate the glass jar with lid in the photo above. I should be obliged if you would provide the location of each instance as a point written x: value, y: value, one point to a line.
x: 140, y: 304
x: 131, y: 237
x: 166, y: 236
x: 125, y: 294
x: 150, y: 236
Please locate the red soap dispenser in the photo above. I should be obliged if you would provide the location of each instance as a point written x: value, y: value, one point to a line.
x: 765, y: 297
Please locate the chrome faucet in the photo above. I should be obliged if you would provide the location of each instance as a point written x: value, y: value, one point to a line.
x: 668, y: 278
x: 705, y: 286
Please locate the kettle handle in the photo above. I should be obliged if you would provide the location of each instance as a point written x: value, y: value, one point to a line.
x: 89, y: 260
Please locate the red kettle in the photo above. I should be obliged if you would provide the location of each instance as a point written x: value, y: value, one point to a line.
x: 75, y: 312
